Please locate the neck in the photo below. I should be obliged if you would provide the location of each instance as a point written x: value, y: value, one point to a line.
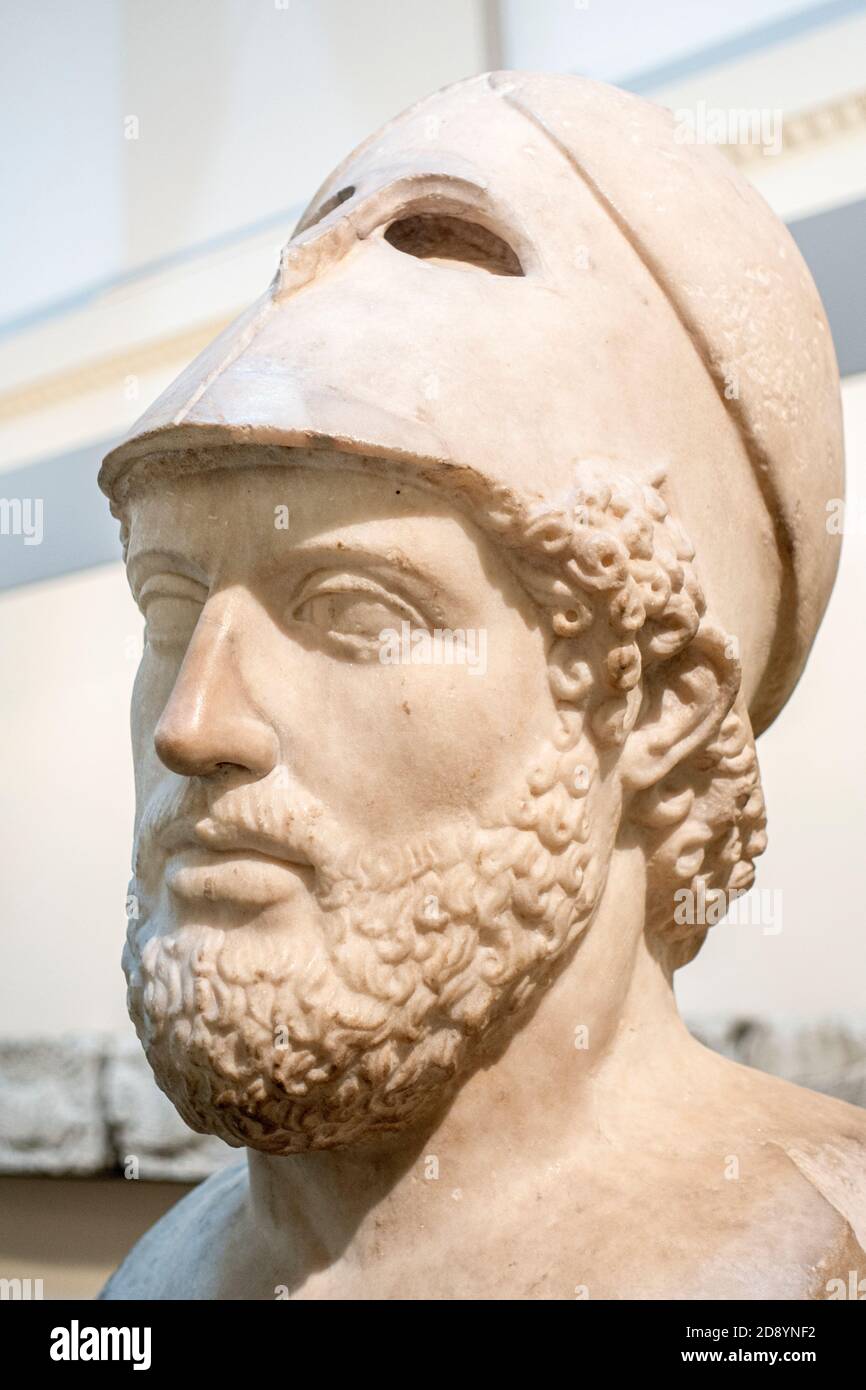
x: 607, y: 1030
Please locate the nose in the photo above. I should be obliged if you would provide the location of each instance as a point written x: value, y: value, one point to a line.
x: 210, y: 722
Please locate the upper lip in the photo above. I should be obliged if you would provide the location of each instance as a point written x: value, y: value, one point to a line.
x: 218, y: 839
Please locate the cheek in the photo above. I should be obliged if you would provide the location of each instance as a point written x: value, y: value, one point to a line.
x: 395, y: 749
x: 154, y: 681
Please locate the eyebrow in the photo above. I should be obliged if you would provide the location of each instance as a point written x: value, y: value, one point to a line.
x: 425, y: 584
x: 144, y: 563
x: 419, y: 582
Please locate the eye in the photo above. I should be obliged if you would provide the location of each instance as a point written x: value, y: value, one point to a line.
x: 171, y: 605
x: 352, y: 612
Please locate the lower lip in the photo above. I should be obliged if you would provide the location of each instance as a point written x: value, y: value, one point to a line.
x: 238, y: 876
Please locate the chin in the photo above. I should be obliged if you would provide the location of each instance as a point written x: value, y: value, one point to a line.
x: 345, y: 1015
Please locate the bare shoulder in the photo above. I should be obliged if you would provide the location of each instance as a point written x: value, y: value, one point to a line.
x: 178, y: 1258
x: 800, y: 1120
x: 825, y: 1140
x: 806, y: 1153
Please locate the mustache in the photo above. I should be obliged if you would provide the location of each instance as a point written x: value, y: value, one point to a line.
x: 270, y: 817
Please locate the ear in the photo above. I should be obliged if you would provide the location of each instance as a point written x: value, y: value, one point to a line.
x: 685, y: 700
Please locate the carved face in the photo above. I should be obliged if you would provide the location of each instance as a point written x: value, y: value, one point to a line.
x: 383, y: 755
x: 343, y: 692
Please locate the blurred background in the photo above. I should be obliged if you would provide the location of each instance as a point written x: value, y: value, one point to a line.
x: 154, y: 155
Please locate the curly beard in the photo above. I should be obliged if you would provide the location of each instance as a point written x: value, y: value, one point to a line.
x: 352, y: 1016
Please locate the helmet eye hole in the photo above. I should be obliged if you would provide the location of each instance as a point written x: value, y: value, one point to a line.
x: 437, y: 237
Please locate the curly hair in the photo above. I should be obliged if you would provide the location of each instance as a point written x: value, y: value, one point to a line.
x: 613, y: 571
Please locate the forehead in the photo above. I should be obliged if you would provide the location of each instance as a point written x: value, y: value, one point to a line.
x: 236, y: 521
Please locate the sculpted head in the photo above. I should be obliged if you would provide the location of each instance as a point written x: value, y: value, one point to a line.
x: 461, y: 575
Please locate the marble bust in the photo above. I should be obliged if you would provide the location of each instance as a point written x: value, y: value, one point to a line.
x: 473, y: 558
